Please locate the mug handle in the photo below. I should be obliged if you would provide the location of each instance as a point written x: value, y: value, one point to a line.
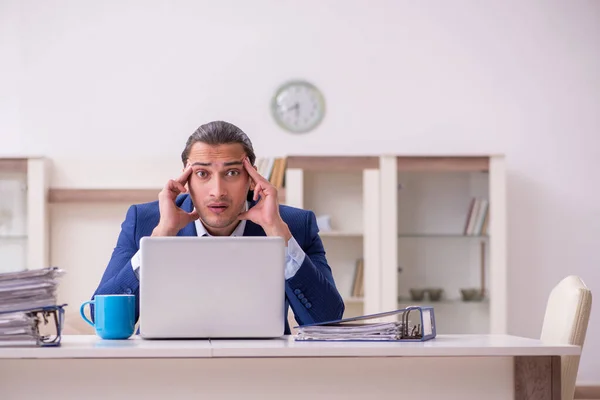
x: 82, y: 312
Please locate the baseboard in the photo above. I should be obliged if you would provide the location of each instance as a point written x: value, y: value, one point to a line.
x: 587, y: 392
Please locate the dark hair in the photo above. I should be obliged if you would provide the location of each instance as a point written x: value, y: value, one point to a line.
x: 219, y: 132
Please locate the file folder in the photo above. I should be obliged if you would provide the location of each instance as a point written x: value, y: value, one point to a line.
x: 24, y: 327
x: 410, y: 324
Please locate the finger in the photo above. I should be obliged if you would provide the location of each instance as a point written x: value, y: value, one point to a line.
x: 183, y: 178
x: 176, y: 187
x: 169, y: 190
x: 193, y: 215
x: 253, y: 172
x: 245, y: 215
x: 258, y: 189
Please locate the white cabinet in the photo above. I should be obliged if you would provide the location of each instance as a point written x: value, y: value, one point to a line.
x: 343, y: 192
x: 403, y: 216
x: 23, y: 214
x: 406, y: 217
x: 428, y: 246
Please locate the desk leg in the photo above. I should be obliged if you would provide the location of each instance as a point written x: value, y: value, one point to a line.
x: 537, y: 378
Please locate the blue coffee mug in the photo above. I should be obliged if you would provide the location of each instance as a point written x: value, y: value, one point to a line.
x: 114, y: 315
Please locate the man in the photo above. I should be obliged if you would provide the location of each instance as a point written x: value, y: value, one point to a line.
x: 220, y: 193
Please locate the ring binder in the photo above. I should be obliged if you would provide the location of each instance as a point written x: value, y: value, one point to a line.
x: 415, y: 323
x: 29, y: 314
x: 24, y: 327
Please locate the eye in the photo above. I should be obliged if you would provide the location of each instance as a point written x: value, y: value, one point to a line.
x: 233, y: 172
x: 202, y: 174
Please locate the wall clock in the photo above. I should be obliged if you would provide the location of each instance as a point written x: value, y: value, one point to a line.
x: 298, y: 106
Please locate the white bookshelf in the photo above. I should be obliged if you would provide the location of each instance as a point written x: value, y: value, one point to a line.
x: 418, y: 227
x: 408, y: 214
x: 424, y: 206
x: 346, y: 189
x: 23, y: 214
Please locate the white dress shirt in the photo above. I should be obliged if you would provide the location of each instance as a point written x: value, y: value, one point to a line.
x: 294, y: 255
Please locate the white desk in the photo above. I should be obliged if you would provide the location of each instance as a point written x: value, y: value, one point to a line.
x: 451, y: 366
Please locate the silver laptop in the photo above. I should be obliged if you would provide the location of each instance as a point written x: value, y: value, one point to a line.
x: 212, y: 287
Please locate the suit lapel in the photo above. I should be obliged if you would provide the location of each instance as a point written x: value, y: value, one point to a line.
x: 189, y: 229
x: 251, y: 228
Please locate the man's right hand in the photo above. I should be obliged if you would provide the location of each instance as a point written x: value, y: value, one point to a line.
x: 173, y: 218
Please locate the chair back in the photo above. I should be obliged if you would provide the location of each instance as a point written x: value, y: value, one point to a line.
x: 565, y: 322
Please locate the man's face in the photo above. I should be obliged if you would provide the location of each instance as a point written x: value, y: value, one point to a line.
x: 218, y: 185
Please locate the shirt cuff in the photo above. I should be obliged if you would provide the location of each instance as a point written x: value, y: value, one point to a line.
x: 294, y: 257
x: 136, y: 263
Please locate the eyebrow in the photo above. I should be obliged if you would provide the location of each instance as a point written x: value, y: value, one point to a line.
x: 226, y: 164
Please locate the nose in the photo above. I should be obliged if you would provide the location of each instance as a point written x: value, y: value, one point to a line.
x: 217, y: 187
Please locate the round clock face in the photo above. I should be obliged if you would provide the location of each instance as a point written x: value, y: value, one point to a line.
x: 298, y: 106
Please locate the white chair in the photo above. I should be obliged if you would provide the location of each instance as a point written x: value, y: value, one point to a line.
x: 566, y: 321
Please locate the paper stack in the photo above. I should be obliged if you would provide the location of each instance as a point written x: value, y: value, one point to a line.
x: 414, y: 323
x: 25, y: 298
x: 374, y: 331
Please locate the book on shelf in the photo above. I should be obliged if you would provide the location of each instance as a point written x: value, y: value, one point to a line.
x: 477, y: 217
x: 358, y: 283
x: 272, y: 169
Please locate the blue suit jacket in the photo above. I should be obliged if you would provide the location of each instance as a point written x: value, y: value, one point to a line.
x: 311, y: 292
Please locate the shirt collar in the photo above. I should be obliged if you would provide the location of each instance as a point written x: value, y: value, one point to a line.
x: 238, y: 231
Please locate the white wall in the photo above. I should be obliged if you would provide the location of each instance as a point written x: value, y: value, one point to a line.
x: 10, y: 78
x: 110, y: 91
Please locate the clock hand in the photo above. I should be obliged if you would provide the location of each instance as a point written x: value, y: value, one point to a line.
x: 296, y: 106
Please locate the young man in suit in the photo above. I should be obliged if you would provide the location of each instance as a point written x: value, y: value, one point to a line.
x: 220, y: 193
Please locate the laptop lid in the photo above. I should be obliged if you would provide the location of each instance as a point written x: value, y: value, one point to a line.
x: 212, y: 287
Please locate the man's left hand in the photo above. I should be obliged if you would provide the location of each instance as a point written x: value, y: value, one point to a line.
x: 266, y: 212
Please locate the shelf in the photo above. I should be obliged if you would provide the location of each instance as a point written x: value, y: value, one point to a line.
x: 6, y: 238
x: 441, y: 235
x: 13, y: 165
x: 340, y: 234
x: 444, y: 164
x: 353, y: 300
x: 333, y: 163
x: 457, y: 302
x: 112, y: 195
x: 102, y: 195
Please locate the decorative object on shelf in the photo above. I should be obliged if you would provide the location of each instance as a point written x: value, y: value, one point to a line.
x: 298, y: 106
x: 471, y: 294
x: 477, y: 294
x: 434, y: 294
x: 417, y: 294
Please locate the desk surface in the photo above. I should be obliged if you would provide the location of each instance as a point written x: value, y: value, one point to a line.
x: 90, y: 346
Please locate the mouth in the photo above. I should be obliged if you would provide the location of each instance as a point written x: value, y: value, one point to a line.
x: 217, y: 208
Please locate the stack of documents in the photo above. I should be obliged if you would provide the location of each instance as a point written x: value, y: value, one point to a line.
x: 374, y: 331
x: 26, y: 300
x: 18, y: 328
x: 408, y: 324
